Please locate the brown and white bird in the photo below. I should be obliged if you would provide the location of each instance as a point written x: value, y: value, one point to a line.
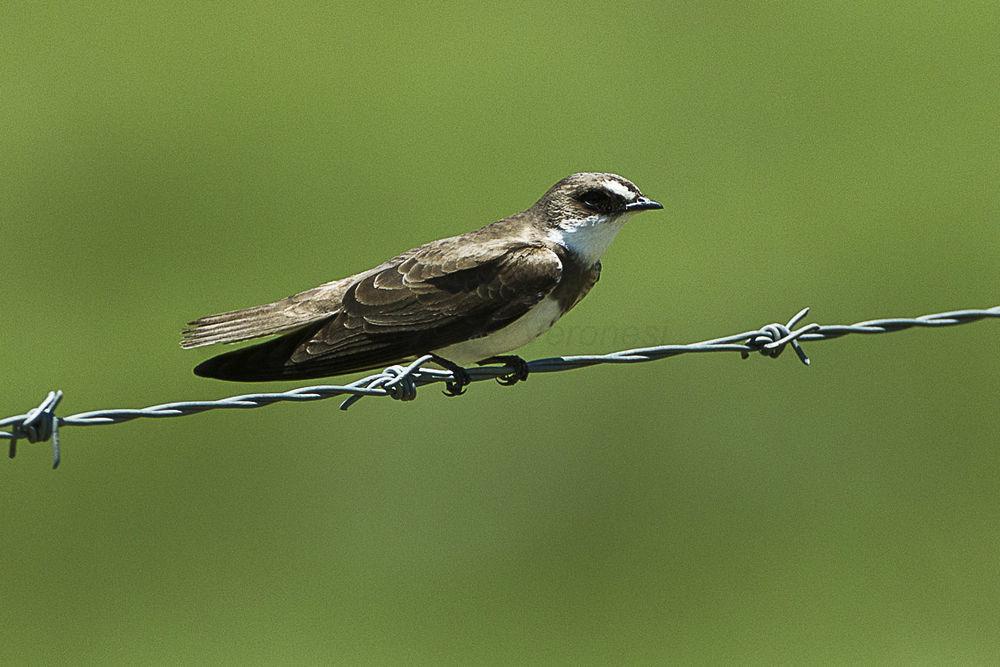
x: 467, y: 298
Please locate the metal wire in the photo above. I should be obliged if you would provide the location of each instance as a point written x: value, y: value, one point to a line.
x: 41, y: 424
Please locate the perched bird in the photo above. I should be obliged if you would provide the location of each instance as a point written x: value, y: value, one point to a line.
x: 468, y: 298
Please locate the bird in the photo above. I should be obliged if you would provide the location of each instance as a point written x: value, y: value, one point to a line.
x: 471, y: 298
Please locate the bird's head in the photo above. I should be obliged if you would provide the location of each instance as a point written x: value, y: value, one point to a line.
x: 585, y: 211
x: 590, y: 194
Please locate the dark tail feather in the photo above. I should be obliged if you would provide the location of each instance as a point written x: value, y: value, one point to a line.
x: 258, y: 363
x: 271, y: 360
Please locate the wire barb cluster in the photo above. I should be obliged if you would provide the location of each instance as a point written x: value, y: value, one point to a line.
x: 41, y: 424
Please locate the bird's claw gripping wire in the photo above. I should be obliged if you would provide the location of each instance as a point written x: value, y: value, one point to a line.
x: 39, y: 424
x: 458, y: 386
x: 771, y: 339
x: 459, y: 383
x: 460, y: 379
x: 520, y: 366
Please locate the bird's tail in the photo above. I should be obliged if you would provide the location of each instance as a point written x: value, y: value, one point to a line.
x: 272, y: 360
x: 244, y: 324
x: 257, y: 363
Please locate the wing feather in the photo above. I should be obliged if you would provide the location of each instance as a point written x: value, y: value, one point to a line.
x: 428, y: 298
x: 436, y: 302
x: 280, y: 316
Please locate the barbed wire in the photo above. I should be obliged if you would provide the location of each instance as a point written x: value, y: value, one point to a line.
x: 400, y: 382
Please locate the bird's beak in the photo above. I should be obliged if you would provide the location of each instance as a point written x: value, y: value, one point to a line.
x: 643, y: 204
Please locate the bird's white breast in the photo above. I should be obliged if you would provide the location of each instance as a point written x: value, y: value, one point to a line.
x: 520, y: 332
x: 587, y: 238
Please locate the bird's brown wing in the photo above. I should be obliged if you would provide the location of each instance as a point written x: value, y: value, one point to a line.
x: 286, y: 314
x: 431, y: 298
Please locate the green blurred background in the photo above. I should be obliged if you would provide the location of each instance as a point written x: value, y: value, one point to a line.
x: 163, y: 162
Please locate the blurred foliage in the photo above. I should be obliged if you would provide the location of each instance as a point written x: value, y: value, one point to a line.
x: 163, y: 161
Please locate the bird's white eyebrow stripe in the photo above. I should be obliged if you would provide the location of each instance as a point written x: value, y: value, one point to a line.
x: 619, y: 189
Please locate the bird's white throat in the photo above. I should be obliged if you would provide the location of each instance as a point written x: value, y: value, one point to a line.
x: 589, y: 237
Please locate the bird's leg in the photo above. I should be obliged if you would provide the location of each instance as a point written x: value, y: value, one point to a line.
x: 460, y: 377
x: 519, y: 365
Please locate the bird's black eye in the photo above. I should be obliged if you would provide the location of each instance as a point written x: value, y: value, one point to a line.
x: 597, y: 200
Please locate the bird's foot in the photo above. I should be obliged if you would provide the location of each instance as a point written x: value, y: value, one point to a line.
x: 519, y: 365
x: 460, y: 377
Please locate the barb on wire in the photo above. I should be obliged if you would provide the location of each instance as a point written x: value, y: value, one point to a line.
x: 41, y: 424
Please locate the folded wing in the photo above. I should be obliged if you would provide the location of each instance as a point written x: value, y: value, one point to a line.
x: 430, y: 298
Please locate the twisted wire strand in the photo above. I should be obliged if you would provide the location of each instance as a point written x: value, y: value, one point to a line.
x: 41, y: 424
